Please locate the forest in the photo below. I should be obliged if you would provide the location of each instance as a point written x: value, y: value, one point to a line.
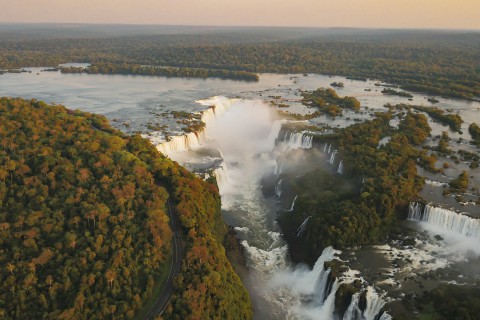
x: 431, y: 62
x: 83, y: 225
x: 454, y: 121
x: 327, y: 101
x: 135, y: 69
x: 451, y: 301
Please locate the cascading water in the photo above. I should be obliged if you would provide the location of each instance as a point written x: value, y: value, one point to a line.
x: 353, y: 312
x: 269, y: 143
x: 278, y: 188
x: 293, y: 204
x: 297, y: 140
x: 303, y: 227
x: 332, y: 157
x: 221, y: 175
x: 318, y: 291
x: 217, y: 106
x: 239, y: 134
x: 414, y: 211
x: 182, y: 143
x: 307, y: 282
x: 279, y: 169
x: 373, y: 309
x: 329, y: 148
x: 340, y: 167
x: 385, y: 316
x: 374, y: 304
x: 325, y: 147
x: 446, y: 220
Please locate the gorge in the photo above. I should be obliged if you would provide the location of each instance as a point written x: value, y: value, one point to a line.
x: 257, y: 158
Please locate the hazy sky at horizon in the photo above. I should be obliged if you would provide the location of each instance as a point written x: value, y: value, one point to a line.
x: 443, y: 14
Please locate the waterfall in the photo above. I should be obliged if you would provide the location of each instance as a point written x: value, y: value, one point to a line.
x: 332, y: 157
x: 319, y: 290
x: 307, y: 141
x: 279, y: 169
x: 302, y: 227
x: 446, y: 220
x: 325, y: 147
x: 328, y: 307
x: 415, y: 211
x: 353, y: 312
x: 278, y: 190
x: 373, y: 309
x: 208, y: 116
x: 340, y: 167
x: 221, y: 175
x: 309, y: 282
x: 182, y: 143
x: 374, y: 304
x: 293, y: 204
x: 217, y: 106
x: 329, y: 148
x: 385, y: 316
x: 297, y: 140
x: 270, y: 142
x: 322, y: 287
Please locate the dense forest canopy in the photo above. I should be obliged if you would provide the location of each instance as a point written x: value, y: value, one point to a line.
x: 441, y: 63
x: 83, y: 225
x: 84, y: 231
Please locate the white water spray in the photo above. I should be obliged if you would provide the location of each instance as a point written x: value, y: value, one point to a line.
x: 317, y: 292
x: 293, y: 204
x: 303, y: 227
x: 217, y: 106
x: 340, y: 167
x: 332, y: 157
x: 278, y: 188
x: 353, y: 312
x: 298, y: 140
x: 221, y: 175
x: 446, y: 220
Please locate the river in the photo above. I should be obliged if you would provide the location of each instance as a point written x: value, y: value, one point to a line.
x: 239, y: 143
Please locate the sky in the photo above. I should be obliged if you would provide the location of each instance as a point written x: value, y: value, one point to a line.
x: 436, y: 14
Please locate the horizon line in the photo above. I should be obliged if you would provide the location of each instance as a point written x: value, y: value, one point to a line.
x: 237, y: 26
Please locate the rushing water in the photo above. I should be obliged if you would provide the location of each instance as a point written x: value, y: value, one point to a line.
x: 239, y: 145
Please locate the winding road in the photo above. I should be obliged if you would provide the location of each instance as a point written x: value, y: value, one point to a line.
x: 167, y: 291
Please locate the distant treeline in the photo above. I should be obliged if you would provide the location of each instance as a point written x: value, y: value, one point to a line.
x: 447, y: 67
x: 136, y: 69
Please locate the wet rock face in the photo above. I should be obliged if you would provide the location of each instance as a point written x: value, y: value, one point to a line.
x: 268, y: 182
x: 337, y: 266
x: 343, y: 297
x: 362, y: 302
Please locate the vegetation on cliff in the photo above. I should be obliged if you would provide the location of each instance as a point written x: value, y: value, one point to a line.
x: 361, y: 205
x: 83, y: 227
x: 451, y: 302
